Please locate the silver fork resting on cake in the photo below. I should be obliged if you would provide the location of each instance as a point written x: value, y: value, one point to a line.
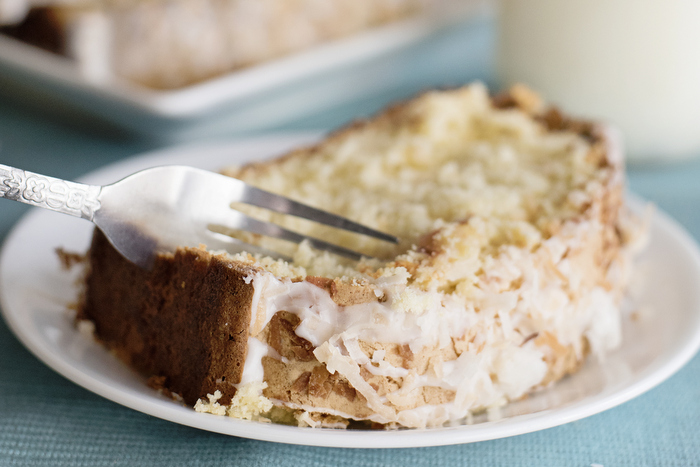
x: 159, y: 209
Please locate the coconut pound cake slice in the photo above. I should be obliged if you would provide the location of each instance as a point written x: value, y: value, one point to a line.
x: 512, y: 263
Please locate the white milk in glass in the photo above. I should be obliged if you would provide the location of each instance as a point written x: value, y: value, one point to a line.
x: 634, y: 63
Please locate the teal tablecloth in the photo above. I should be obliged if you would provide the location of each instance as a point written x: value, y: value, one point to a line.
x: 47, y: 420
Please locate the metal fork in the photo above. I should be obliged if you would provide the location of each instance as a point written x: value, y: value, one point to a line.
x: 158, y: 209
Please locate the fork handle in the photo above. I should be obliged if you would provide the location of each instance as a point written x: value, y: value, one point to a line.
x: 76, y: 199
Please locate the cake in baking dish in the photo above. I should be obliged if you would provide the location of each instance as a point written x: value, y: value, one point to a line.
x: 167, y: 44
x: 511, y: 266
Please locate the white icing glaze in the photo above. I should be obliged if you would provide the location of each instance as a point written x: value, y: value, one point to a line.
x: 253, y: 369
x: 89, y: 44
x: 495, y: 367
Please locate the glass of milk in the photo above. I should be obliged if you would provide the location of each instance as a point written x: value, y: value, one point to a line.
x: 633, y: 63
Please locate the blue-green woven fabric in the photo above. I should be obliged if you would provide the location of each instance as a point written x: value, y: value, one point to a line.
x: 45, y: 420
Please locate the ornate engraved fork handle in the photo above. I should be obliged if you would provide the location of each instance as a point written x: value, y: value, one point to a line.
x: 58, y: 195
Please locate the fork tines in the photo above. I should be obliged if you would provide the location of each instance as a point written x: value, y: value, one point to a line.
x: 277, y: 203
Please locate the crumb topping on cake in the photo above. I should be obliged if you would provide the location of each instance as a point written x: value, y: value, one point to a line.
x: 450, y: 174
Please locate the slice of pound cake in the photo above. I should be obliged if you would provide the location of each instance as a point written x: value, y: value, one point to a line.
x: 510, y: 270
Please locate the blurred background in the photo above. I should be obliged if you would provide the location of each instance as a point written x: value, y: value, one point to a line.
x: 176, y: 70
x: 85, y: 83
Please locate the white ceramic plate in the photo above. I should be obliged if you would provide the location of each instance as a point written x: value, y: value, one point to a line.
x: 35, y: 292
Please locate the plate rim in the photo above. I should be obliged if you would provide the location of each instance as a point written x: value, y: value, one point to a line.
x: 167, y: 410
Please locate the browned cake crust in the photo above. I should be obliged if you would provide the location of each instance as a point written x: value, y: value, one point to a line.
x: 187, y: 320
